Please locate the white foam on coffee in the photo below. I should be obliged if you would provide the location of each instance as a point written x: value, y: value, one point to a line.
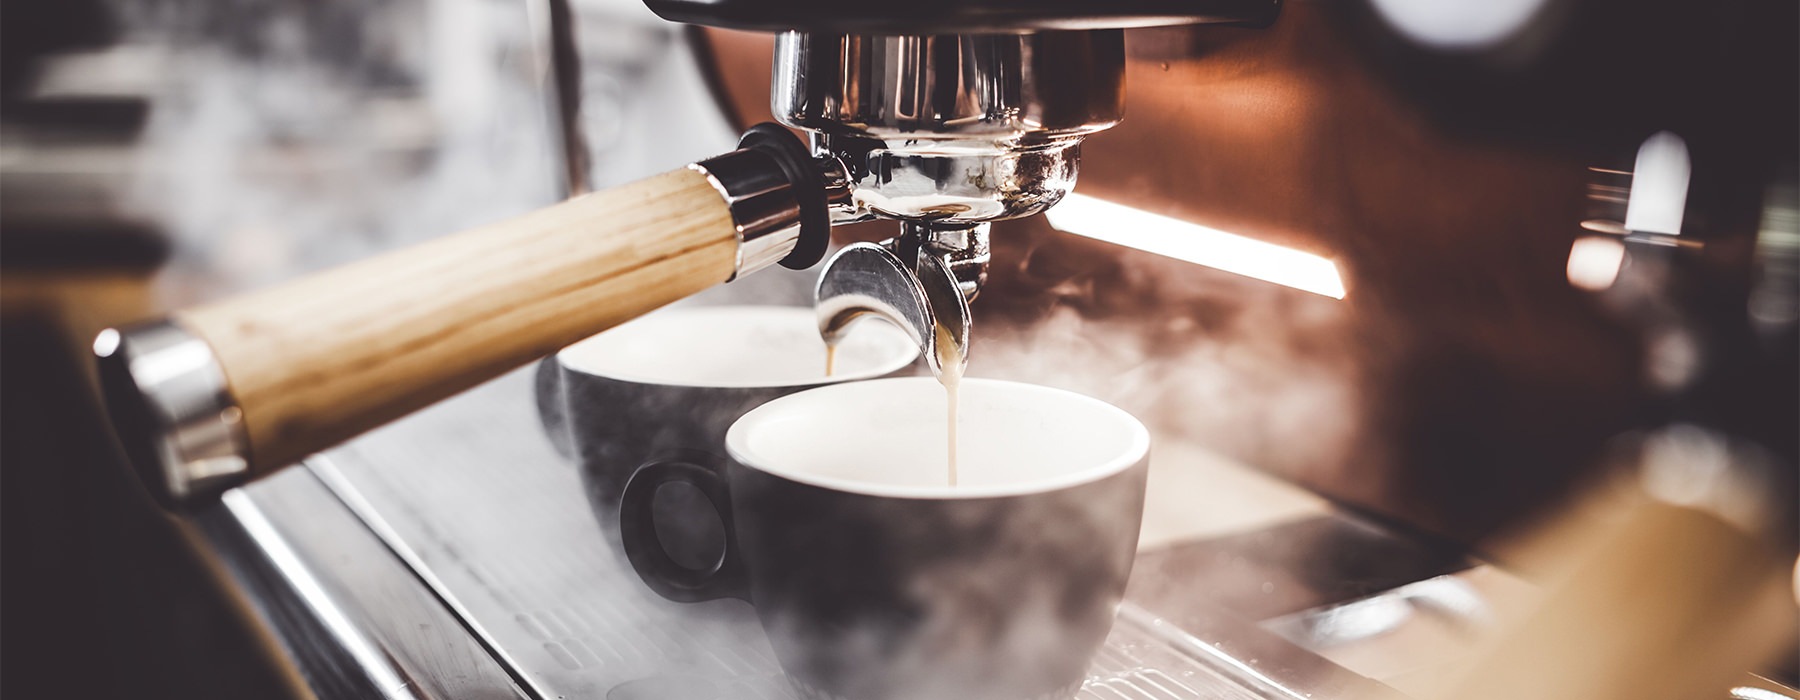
x: 886, y: 437
x: 736, y: 346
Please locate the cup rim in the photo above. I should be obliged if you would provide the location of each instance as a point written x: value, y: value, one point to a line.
x: 737, y: 446
x: 905, y: 353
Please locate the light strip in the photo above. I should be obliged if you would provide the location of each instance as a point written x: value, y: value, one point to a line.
x: 1659, y: 185
x: 1154, y: 233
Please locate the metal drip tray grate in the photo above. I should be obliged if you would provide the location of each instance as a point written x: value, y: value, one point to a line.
x: 1136, y: 664
x: 473, y: 498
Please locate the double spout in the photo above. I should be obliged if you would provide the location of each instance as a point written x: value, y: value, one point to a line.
x: 945, y: 134
x: 921, y: 281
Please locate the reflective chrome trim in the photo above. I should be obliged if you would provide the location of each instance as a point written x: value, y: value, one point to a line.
x: 954, y: 128
x: 912, y: 289
x: 963, y: 248
x: 344, y: 626
x: 763, y: 205
x: 173, y: 412
x: 1007, y: 88
x: 350, y: 617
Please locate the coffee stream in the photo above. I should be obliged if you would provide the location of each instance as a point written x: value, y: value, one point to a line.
x: 950, y: 375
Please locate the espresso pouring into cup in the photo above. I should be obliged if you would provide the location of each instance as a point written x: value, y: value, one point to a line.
x: 873, y: 578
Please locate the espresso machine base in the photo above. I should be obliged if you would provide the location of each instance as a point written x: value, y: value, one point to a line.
x: 452, y: 554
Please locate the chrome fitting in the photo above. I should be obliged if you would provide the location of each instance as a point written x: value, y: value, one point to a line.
x: 173, y: 412
x: 779, y: 197
x: 911, y: 289
x: 763, y: 206
x: 956, y: 128
x: 963, y: 248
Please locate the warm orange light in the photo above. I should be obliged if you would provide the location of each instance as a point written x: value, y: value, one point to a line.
x: 1659, y: 185
x: 1154, y: 233
x: 1594, y: 262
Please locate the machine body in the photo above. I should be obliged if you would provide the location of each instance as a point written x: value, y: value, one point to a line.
x: 919, y: 121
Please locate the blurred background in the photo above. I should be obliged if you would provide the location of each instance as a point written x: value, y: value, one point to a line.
x: 157, y: 154
x: 1477, y: 353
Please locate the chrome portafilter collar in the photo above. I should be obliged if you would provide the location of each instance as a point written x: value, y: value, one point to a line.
x: 951, y: 128
x: 944, y: 133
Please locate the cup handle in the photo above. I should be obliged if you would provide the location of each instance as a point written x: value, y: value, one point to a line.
x: 637, y: 529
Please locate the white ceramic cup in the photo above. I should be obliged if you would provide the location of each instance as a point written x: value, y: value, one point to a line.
x: 876, y: 579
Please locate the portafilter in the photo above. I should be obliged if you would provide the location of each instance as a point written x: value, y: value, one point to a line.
x: 942, y: 115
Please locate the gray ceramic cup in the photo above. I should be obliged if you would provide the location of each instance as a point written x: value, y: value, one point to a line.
x: 669, y: 384
x: 874, y: 578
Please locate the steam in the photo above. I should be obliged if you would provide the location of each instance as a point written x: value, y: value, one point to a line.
x: 1259, y: 373
x: 972, y: 598
x: 290, y: 137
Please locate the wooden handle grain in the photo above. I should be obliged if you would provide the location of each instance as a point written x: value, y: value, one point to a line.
x: 319, y: 360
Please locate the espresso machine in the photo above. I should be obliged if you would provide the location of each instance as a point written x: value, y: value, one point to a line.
x: 1463, y: 383
x: 943, y: 132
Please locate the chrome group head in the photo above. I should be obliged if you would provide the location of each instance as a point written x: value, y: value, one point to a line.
x: 944, y: 133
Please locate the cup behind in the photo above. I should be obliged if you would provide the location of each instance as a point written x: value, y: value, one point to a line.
x: 671, y: 383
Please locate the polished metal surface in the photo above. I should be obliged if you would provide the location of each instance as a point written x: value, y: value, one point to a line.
x: 936, y: 16
x: 959, y: 128
x: 353, y: 619
x: 840, y: 192
x: 1263, y: 665
x: 763, y: 206
x: 963, y: 249
x: 955, y: 180
x: 916, y: 292
x: 1014, y: 89
x: 471, y: 496
x: 780, y: 198
x: 173, y: 411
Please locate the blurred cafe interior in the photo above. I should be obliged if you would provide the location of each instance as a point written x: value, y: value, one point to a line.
x: 1465, y: 335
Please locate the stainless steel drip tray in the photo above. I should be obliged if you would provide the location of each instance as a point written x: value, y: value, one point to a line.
x: 488, y: 520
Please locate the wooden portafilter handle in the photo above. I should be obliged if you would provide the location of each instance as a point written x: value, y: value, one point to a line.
x: 217, y: 395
